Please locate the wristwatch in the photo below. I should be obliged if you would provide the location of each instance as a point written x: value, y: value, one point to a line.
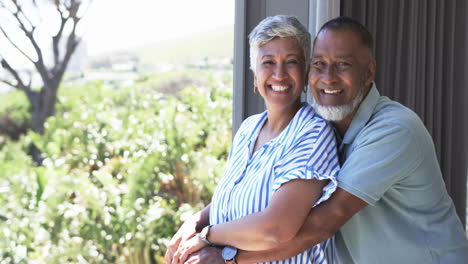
x: 229, y: 255
x: 204, y: 235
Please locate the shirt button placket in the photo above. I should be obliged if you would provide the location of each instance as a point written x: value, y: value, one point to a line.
x: 233, y: 184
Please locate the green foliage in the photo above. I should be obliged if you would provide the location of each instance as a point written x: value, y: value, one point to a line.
x: 15, y: 116
x: 122, y: 169
x: 14, y: 99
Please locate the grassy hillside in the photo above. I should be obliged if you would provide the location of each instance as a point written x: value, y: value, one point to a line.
x: 215, y: 43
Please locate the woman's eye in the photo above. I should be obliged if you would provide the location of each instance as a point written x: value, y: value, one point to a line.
x: 268, y: 63
x: 292, y: 62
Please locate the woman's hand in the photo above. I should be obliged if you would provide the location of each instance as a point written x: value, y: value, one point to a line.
x: 186, y: 232
x: 188, y: 247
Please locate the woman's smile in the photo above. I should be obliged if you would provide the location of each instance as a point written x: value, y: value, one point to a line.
x: 280, y: 74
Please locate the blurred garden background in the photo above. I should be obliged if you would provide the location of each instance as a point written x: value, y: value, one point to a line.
x: 137, y: 140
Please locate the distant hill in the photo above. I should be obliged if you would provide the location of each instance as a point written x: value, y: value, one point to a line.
x: 216, y: 43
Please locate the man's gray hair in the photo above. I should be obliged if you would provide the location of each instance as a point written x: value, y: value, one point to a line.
x: 282, y: 26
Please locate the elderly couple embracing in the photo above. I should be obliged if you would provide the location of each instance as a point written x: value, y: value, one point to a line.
x: 353, y: 178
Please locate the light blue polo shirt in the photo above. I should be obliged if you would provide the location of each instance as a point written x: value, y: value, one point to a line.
x: 390, y: 163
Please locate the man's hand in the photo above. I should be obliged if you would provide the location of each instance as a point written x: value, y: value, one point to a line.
x: 207, y: 255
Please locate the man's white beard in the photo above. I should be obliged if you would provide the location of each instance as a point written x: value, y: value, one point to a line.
x: 338, y: 112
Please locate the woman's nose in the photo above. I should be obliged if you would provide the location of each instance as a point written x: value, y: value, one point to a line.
x: 280, y: 72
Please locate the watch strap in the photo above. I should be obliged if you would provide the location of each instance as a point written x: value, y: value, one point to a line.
x: 232, y: 261
x: 204, y: 235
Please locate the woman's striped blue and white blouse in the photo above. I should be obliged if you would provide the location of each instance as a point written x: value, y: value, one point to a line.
x: 305, y: 149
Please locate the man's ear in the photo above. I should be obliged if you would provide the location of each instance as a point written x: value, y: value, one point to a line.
x: 255, y: 80
x: 371, y: 72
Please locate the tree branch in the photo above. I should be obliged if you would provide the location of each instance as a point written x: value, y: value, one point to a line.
x: 39, y: 64
x: 72, y: 42
x: 14, y: 45
x: 21, y: 12
x: 58, y: 36
x: 20, y: 84
x: 8, y: 83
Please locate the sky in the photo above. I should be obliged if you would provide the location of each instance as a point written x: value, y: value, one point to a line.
x: 110, y: 25
x: 117, y: 24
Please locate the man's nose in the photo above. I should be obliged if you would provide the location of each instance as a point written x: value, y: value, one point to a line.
x: 329, y: 75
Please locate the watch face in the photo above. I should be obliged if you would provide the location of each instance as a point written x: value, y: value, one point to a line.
x: 229, y: 253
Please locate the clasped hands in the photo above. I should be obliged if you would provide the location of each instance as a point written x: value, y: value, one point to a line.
x: 187, y: 247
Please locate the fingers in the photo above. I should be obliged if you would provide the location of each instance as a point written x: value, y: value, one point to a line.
x: 187, y: 248
x: 185, y: 233
x: 182, y: 254
x: 193, y: 259
x: 169, y: 255
x: 175, y: 258
x: 171, y: 248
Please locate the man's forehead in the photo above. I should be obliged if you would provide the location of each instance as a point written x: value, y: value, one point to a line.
x: 346, y: 32
x: 345, y: 37
x: 339, y: 43
x: 317, y: 55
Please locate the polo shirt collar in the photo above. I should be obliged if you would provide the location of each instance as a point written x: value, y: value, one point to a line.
x: 362, y: 115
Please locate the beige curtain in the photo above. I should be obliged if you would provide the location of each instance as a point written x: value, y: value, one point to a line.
x: 422, y: 61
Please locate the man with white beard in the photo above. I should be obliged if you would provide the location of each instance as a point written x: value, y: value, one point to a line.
x: 391, y: 205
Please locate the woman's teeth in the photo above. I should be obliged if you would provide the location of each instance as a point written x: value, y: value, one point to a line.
x: 279, y: 88
x: 332, y: 91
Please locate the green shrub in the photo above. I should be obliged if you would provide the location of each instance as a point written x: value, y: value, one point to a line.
x: 122, y: 169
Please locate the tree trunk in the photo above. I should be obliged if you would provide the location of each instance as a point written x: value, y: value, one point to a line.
x: 42, y: 107
x: 42, y: 102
